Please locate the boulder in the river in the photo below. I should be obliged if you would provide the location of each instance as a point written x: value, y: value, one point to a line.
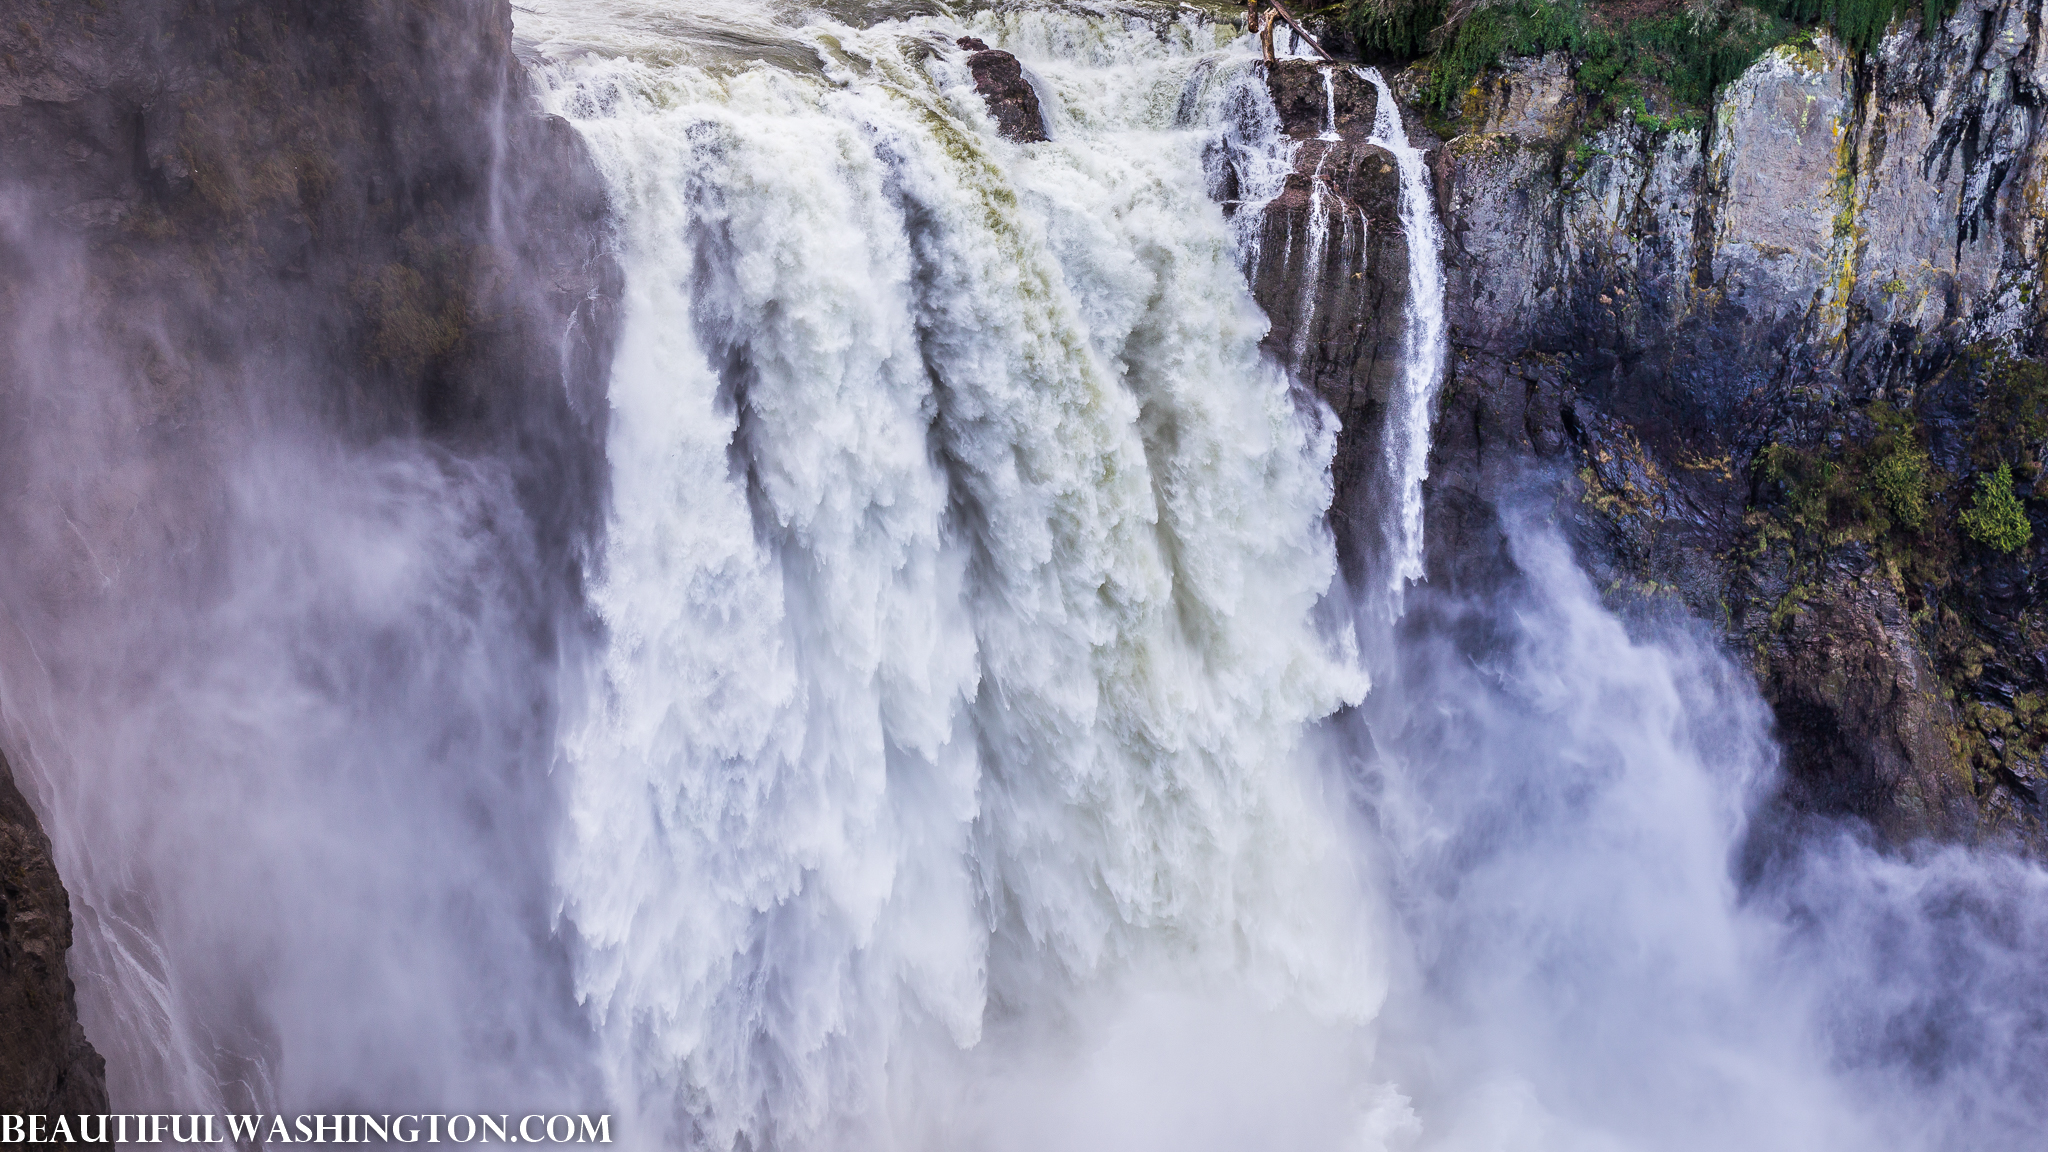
x: 1011, y: 99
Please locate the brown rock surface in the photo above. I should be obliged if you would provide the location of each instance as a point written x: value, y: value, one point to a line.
x: 1011, y: 99
x: 1332, y: 274
x: 46, y: 1064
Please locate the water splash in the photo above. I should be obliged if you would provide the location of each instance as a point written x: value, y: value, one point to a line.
x: 1565, y: 803
x: 1248, y: 166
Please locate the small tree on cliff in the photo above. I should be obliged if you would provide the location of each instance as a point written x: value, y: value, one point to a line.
x: 1996, y: 518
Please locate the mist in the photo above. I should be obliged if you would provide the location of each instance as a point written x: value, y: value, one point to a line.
x: 1615, y: 937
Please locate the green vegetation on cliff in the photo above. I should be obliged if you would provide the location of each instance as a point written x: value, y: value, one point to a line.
x: 1996, y: 519
x: 1936, y: 534
x: 1874, y: 489
x: 1676, y: 52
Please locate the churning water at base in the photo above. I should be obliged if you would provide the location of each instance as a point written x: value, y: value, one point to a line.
x: 1562, y: 805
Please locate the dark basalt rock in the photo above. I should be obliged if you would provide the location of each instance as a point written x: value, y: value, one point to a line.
x: 47, y: 1066
x: 1338, y: 302
x: 1638, y: 314
x: 1302, y: 94
x: 1676, y: 303
x: 1011, y: 100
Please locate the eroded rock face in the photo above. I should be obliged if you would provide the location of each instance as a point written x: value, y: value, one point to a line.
x: 1011, y: 99
x: 46, y: 1064
x: 1331, y: 271
x: 1647, y: 311
x: 1659, y: 317
x: 1854, y: 691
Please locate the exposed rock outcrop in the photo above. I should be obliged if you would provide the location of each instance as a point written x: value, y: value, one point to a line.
x: 47, y: 1066
x: 1772, y: 357
x: 364, y: 196
x: 1331, y: 270
x: 1012, y: 101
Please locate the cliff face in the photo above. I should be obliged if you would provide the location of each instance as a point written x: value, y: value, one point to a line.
x: 227, y: 223
x: 46, y: 1064
x: 1777, y: 360
x: 364, y: 192
x: 1330, y: 268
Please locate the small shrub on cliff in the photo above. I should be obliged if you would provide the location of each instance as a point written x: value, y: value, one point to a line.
x: 1870, y: 489
x: 1899, y: 467
x: 1403, y: 28
x: 1824, y: 501
x: 1687, y: 50
x: 1860, y: 23
x: 2012, y: 421
x: 1997, y: 519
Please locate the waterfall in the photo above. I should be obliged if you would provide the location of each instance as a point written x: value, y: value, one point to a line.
x: 1424, y: 347
x: 960, y: 588
x: 967, y: 768
x: 1249, y: 162
x: 957, y: 745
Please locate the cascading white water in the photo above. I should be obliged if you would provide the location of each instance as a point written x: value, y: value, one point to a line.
x: 1329, y: 132
x: 1255, y: 154
x: 1309, y: 273
x: 1424, y: 345
x: 959, y: 583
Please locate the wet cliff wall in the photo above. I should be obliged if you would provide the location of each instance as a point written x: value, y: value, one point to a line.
x: 1779, y: 365
x: 1328, y: 262
x: 226, y: 223
x: 46, y: 1064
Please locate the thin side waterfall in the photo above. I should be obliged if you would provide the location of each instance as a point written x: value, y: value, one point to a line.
x: 1414, y: 405
x: 1329, y: 132
x: 1309, y: 274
